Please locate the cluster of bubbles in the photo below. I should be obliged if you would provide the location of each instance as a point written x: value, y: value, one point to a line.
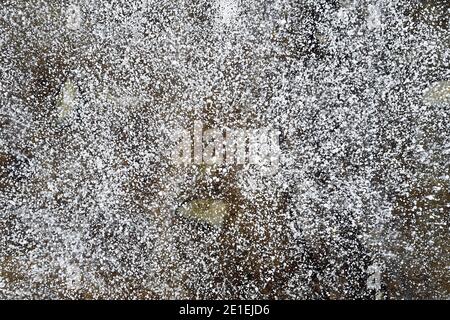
x: 91, y: 93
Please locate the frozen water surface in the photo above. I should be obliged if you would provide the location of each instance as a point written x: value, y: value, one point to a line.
x: 351, y: 200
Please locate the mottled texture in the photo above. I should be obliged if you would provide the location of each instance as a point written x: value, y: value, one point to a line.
x: 92, y: 93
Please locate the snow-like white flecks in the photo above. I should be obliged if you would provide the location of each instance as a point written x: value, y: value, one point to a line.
x: 93, y: 92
